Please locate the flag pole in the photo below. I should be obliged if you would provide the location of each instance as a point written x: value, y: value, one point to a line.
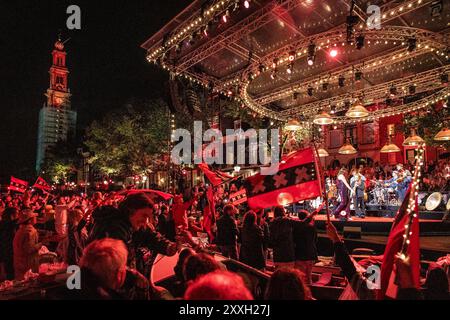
x: 322, y: 181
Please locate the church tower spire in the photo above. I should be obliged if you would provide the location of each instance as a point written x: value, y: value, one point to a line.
x: 58, y: 93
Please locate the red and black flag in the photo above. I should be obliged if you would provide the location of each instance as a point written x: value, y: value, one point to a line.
x: 297, y: 179
x: 238, y: 197
x: 395, y: 243
x: 42, y: 184
x: 216, y: 177
x: 18, y: 185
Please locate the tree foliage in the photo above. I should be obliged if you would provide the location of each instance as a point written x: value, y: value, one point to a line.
x: 132, y: 140
x: 428, y: 124
x: 60, y: 161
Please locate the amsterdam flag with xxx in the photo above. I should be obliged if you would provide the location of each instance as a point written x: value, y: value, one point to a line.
x: 297, y: 179
x: 18, y: 185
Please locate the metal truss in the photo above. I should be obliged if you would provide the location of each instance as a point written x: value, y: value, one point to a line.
x: 394, y: 33
x: 374, y: 63
x: 251, y: 23
x: 425, y: 102
x: 424, y: 81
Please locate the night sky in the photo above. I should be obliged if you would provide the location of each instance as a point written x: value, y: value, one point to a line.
x: 107, y: 66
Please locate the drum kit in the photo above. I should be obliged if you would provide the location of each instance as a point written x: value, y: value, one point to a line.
x: 382, y: 195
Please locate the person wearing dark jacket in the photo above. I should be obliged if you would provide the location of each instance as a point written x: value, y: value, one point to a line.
x: 305, y: 240
x: 227, y: 233
x: 77, y: 236
x: 265, y: 228
x: 129, y: 223
x: 8, y: 228
x: 281, y: 239
x: 252, y: 243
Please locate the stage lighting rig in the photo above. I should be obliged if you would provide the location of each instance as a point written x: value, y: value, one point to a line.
x: 311, y: 53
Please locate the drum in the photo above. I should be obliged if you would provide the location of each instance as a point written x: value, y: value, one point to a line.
x: 433, y: 201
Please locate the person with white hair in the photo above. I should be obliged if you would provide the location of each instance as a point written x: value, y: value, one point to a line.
x: 103, y: 271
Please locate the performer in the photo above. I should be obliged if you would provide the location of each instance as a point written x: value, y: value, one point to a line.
x: 403, y: 183
x: 342, y: 210
x: 331, y: 190
x: 392, y: 183
x: 358, y: 184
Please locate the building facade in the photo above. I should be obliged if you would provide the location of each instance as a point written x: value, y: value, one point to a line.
x: 57, y: 121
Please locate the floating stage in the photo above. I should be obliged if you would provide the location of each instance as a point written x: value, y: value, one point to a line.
x: 431, y: 224
x: 372, y: 232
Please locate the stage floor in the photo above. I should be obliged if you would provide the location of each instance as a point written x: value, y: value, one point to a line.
x: 382, y: 226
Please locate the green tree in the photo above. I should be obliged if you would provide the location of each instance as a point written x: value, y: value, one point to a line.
x: 132, y: 140
x: 60, y: 162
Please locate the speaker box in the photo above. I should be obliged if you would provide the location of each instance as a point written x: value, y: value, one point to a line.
x: 352, y: 232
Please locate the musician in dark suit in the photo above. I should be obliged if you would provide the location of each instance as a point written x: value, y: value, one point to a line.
x: 358, y: 184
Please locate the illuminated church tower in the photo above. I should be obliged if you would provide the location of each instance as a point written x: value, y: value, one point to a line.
x: 56, y: 119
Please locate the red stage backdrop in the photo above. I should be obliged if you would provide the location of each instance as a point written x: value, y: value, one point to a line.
x: 297, y: 179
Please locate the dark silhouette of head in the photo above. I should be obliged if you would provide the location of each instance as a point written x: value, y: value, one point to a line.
x: 249, y: 219
x: 436, y: 281
x: 279, y: 212
x: 197, y: 265
x: 178, y: 269
x: 219, y: 285
x: 287, y: 284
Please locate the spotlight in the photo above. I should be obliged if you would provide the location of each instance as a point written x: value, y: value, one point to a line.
x: 251, y: 76
x: 290, y: 68
x: 291, y: 56
x: 247, y: 4
x: 333, y: 53
x: 310, y: 91
x: 412, y: 89
x: 392, y: 91
x: 333, y: 109
x: 436, y: 8
x: 412, y: 44
x: 341, y: 81
x: 273, y: 75
x: 444, y: 78
x: 360, y: 42
x: 351, y: 21
x: 358, y: 75
x: 178, y: 48
x: 226, y: 16
x: 311, y: 54
x: 206, y: 30
x: 274, y: 63
x: 191, y: 40
x: 236, y: 6
x: 325, y: 86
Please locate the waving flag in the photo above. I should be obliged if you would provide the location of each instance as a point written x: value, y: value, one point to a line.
x: 42, y: 184
x: 404, y: 238
x: 216, y: 177
x: 296, y: 180
x: 18, y: 185
x: 238, y: 197
x: 394, y: 246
